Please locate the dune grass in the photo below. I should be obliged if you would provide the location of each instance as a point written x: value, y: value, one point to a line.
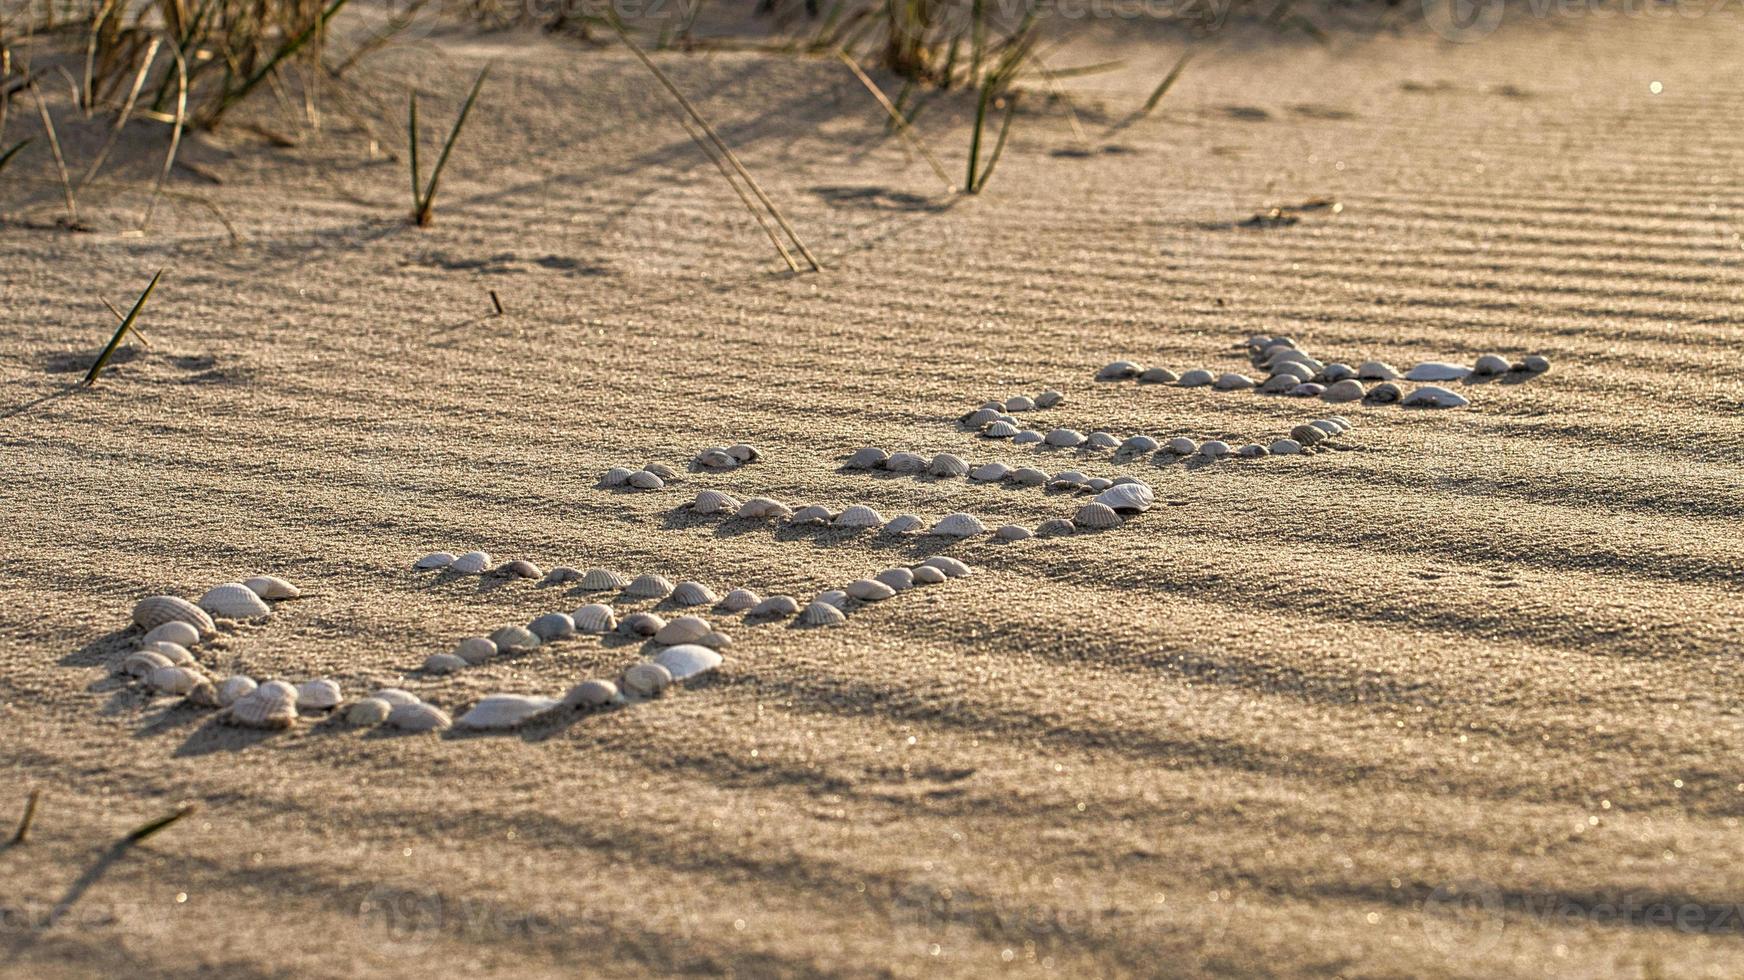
x: 424, y: 199
x: 120, y: 332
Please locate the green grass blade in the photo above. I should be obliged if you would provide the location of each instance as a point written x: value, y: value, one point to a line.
x: 999, y: 145
x: 975, y: 138
x: 121, y: 332
x: 285, y: 50
x: 1167, y: 83
x: 6, y: 158
x: 429, y: 202
x: 412, y: 142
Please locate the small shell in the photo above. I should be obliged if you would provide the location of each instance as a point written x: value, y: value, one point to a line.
x: 368, y: 712
x: 1343, y: 423
x: 859, y: 515
x: 1307, y: 435
x: 1000, y: 430
x: 272, y: 587
x: 443, y: 663
x: 1214, y: 449
x: 1434, y: 396
x: 318, y: 695
x: 775, y: 605
x: 1279, y: 384
x: 502, y: 711
x: 552, y: 626
x: 867, y: 458
x: 1119, y: 371
x: 822, y: 614
x: 418, y: 717
x: 928, y: 575
x: 1012, y: 532
x: 1027, y: 437
x: 1385, y: 393
x: 1307, y: 390
x: 715, y: 502
x: 592, y: 694
x: 904, y: 524
x: 1019, y: 403
x: 1377, y: 371
x: 433, y: 560
x: 990, y: 472
x: 1196, y: 378
x: 519, y: 568
x: 661, y: 470
x: 1137, y: 445
x: 716, y: 459
x: 744, y: 453
x: 1348, y: 390
x: 1232, y: 382
x: 1182, y: 446
x: 694, y: 594
x: 1129, y: 497
x: 739, y: 600
x: 1097, y: 484
x: 758, y: 508
x: 687, y: 660
x: 958, y: 526
x: 644, y: 480
x: 234, y: 688
x: 1158, y: 376
x: 646, y: 680
x: 471, y: 563
x: 394, y: 696
x: 617, y: 476
x: 684, y: 629
x: 1252, y: 450
x: 176, y: 631
x: 1048, y: 399
x: 1055, y: 527
x: 897, y: 578
x: 871, y: 590
x: 1095, y: 515
x: 945, y: 563
x: 175, y: 653
x: 174, y: 680
x: 1029, y: 476
x: 233, y: 600
x: 601, y: 579
x: 1068, y: 480
x: 272, y: 705
x: 594, y: 618
x: 1536, y: 363
x: 947, y: 464
x: 476, y: 649
x: 1293, y: 369
x: 157, y: 610
x: 515, y: 639
x: 716, y: 640
x: 835, y: 597
x: 641, y: 624
x: 649, y: 586
x: 1438, y: 371
x: 906, y: 462
x: 813, y: 514
x: 1328, y: 426
x: 1335, y: 373
x: 563, y: 574
x: 1064, y: 437
x: 1284, y: 447
x: 983, y: 416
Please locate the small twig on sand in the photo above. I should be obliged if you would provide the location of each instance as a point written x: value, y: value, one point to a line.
x: 23, y: 832
x: 147, y: 829
x: 497, y: 303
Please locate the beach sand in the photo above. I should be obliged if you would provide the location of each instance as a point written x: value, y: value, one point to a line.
x: 1462, y: 700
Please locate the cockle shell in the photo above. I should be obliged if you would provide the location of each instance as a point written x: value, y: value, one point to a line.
x: 1095, y: 515
x: 684, y: 629
x: 552, y: 626
x: 1348, y: 390
x: 739, y: 600
x: 418, y: 717
x: 715, y: 502
x: 1307, y: 435
x: 989, y: 472
x: 1437, y: 371
x: 1284, y: 447
x: 1055, y: 526
x: 870, y: 590
x: 835, y: 597
x: 645, y: 480
x: 1328, y: 426
x: 471, y: 563
x: 859, y: 515
x: 1279, y: 384
x: 1101, y: 440
x: 1232, y: 381
x: 1181, y: 446
x: 476, y: 649
x: 906, y: 462
x: 694, y: 594
x: 1433, y: 396
x: 1307, y: 390
x: 502, y: 711
x: 394, y: 696
x: 641, y: 624
x: 1335, y: 373
x: 1029, y: 476
x: 687, y: 660
x: 1119, y: 371
x: 866, y: 458
x: 947, y: 464
x: 1377, y: 371
x: 601, y: 579
x: 1064, y: 437
x: 775, y: 605
x: 661, y: 470
x: 897, y: 578
x: 1535, y: 363
x: 174, y: 680
x: 946, y: 564
x: 594, y: 618
x: 443, y: 663
x: 519, y: 568
x: 1000, y: 430
x: 821, y: 613
x: 1027, y: 437
x: 744, y: 453
x: 592, y: 694
x: 434, y: 560
x: 958, y: 526
x: 1019, y: 403
x: 646, y: 680
x: 234, y: 688
x: 318, y: 695
x: 928, y: 575
x: 1048, y: 399
x: 716, y: 459
x: 716, y: 640
x: 649, y: 586
x: 617, y: 476
x: 1137, y: 445
x: 176, y: 631
x: 1293, y: 369
x: 1067, y: 480
x: 1343, y: 423
x: 562, y: 574
x: 1214, y: 449
x: 1385, y: 393
x: 515, y: 639
x: 272, y: 587
x: 175, y: 653
x: 368, y: 712
x: 904, y: 524
x: 1252, y: 450
x: 1097, y: 484
x: 272, y: 705
x: 1012, y: 532
x: 1196, y: 378
x: 157, y: 610
x: 1158, y: 376
x: 233, y: 600
x: 758, y: 508
x: 982, y: 417
x: 1130, y: 497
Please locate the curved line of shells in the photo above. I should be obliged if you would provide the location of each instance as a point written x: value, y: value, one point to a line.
x: 990, y: 421
x: 655, y: 476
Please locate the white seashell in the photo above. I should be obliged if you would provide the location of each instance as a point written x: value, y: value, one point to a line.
x: 519, y: 568
x: 1284, y: 447
x: 617, y: 476
x: 646, y: 680
x: 1343, y: 423
x: 318, y: 695
x: 1182, y: 446
x: 1029, y: 476
x: 958, y: 526
x: 716, y: 459
x: 433, y: 560
x: 1437, y: 371
x: 945, y: 563
x: 515, y: 639
x: 744, y: 453
x: 476, y: 649
x: 739, y: 600
x: 1019, y: 403
x: 272, y: 587
x: 418, y: 717
x: 234, y: 688
x: 1307, y: 390
x: 1232, y: 382
x: 1068, y: 480
x: 1385, y: 393
x: 814, y: 514
x: 443, y: 663
x: 1056, y: 526
x: 1279, y: 384
x: 715, y: 502
x: 1027, y: 437
x: 1348, y: 390
x: 1307, y: 435
x: 1282, y: 354
x: 904, y: 524
x: 471, y: 563
x: 1253, y: 450
x: 180, y: 633
x: 394, y: 696
x: 641, y: 624
x: 989, y: 472
x: 552, y: 626
x: 368, y: 712
x: 896, y: 578
x: 983, y: 416
x: 1097, y: 484
x: 835, y: 597
x: 1012, y: 532
x: 1000, y: 430
x: 716, y: 640
x: 775, y: 605
x: 500, y: 711
x: 684, y: 629
x: 272, y: 705
x: 649, y: 586
x: 233, y: 600
x: 871, y: 590
x: 661, y: 470
x: 563, y: 573
x: 1095, y: 515
x: 1214, y: 449
x: 762, y: 507
x: 1048, y: 399
x: 906, y: 462
x: 175, y: 653
x: 1064, y: 437
x: 1433, y: 396
x: 867, y: 458
x: 1137, y: 445
x: 592, y: 694
x: 1377, y: 371
x: 947, y: 464
x: 1101, y: 440
x: 1158, y: 376
x: 859, y: 515
x: 1328, y: 426
x: 157, y: 610
x: 601, y: 579
x: 1293, y: 369
x: 694, y: 594
x: 594, y: 618
x: 644, y: 480
x: 1536, y: 363
x: 174, y: 680
x: 821, y: 613
x: 687, y: 660
x: 1133, y: 497
x: 1119, y: 371
x: 1196, y: 378
x: 928, y: 575
x: 1335, y: 373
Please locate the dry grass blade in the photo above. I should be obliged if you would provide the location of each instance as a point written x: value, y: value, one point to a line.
x: 6, y: 158
x: 290, y: 47
x: 896, y: 120
x: 147, y: 829
x: 54, y: 144
x: 727, y: 175
x: 138, y: 334
x: 23, y: 832
x: 1167, y: 83
x: 126, y: 111
x: 999, y: 145
x: 427, y: 202
x: 181, y: 120
x: 121, y: 332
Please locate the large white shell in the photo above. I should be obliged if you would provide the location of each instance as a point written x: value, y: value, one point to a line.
x: 904, y: 524
x: 738, y: 600
x: 1182, y: 446
x: 563, y: 573
x: 233, y: 600
x: 154, y: 611
x: 174, y: 680
x: 418, y: 717
x: 272, y: 587
x: 859, y: 515
x: 947, y: 464
x: 1252, y: 450
x: 518, y: 568
x: 1307, y: 435
x: 601, y: 579
x: 958, y: 526
x: 1118, y: 371
x: 866, y: 458
x: 1437, y: 371
x: 1284, y: 447
x: 1135, y: 497
x: 983, y: 416
x: 592, y: 694
x: 500, y: 711
x: 1029, y: 476
x: 471, y: 563
x: 715, y: 502
x: 1535, y: 363
x: 1232, y: 381
x: 272, y: 705
x: 896, y: 578
x: 946, y: 564
x: 175, y: 653
x: 646, y: 680
x: 1101, y: 440
x: 1211, y: 449
x: 989, y: 472
x: 928, y: 575
x: 552, y: 626
x: 694, y: 594
x: 1434, y: 396
x: 641, y: 624
x: 684, y: 629
x: 1064, y: 437
x: 617, y: 476
x: 368, y: 712
x: 1019, y: 403
x: 434, y: 560
x: 763, y: 507
x: 476, y: 649
x: 1293, y: 369
x: 1055, y: 527
x: 814, y: 514
x: 515, y: 639
x: 870, y: 590
x: 594, y: 618
x: 716, y: 458
x: 1012, y: 532
x: 1348, y: 390
x: 687, y: 660
x: 140, y: 663
x: 1158, y: 376
x: 835, y: 597
x: 1048, y: 399
x: 1335, y: 373
x: 1028, y: 437
x: 1000, y: 429
x: 180, y: 633
x: 234, y: 688
x: 318, y: 695
x: 1095, y: 515
x: 645, y: 480
x: 1279, y: 384
x: 775, y: 605
x: 822, y: 614
x: 443, y: 663
x: 1196, y: 378
x: 1377, y: 371
x: 744, y: 453
x: 1310, y: 389
x: 649, y: 586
